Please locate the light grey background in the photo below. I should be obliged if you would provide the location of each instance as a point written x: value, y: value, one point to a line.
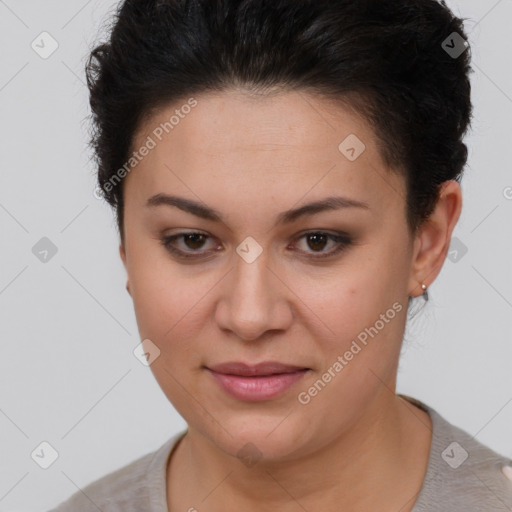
x: 67, y: 372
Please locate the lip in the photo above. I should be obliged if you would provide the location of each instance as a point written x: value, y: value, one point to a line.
x: 263, y: 381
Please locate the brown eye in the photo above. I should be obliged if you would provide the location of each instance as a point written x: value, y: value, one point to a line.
x: 194, y: 240
x: 317, y: 241
x: 186, y: 245
x: 190, y: 244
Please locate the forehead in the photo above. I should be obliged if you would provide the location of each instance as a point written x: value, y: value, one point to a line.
x: 238, y: 121
x: 287, y: 144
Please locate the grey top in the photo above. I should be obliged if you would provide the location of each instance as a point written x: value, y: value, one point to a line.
x: 462, y: 476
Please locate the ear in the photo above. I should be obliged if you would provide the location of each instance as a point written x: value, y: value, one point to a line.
x: 432, y: 242
x: 122, y: 253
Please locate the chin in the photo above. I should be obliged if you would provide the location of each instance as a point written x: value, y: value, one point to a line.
x: 263, y: 439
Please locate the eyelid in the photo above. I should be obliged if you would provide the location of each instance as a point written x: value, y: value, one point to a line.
x: 342, y: 239
x: 167, y: 239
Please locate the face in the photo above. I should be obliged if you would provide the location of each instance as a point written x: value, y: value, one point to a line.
x: 236, y: 279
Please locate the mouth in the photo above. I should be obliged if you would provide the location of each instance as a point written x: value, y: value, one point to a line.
x: 264, y: 369
x: 260, y: 382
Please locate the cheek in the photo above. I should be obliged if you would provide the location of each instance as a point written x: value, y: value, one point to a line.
x: 162, y: 305
x: 362, y: 353
x: 157, y: 297
x: 171, y: 304
x: 348, y: 313
x: 364, y: 301
x: 344, y: 299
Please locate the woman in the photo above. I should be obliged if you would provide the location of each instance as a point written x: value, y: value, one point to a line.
x: 286, y: 178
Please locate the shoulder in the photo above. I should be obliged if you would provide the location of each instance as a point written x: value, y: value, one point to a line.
x: 140, y: 485
x: 463, y: 475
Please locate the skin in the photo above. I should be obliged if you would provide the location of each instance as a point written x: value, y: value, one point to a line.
x: 356, y: 445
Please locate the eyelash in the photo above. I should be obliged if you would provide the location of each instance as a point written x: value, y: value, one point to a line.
x: 343, y: 241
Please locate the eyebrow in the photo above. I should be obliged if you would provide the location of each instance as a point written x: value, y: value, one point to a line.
x: 286, y: 217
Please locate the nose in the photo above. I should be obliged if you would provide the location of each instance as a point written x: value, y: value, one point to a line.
x: 254, y: 300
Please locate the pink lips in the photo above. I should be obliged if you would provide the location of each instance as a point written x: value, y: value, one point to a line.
x: 263, y: 381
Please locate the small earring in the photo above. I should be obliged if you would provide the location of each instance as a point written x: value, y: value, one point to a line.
x: 425, y: 292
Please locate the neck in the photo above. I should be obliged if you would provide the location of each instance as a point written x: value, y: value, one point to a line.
x: 377, y: 464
